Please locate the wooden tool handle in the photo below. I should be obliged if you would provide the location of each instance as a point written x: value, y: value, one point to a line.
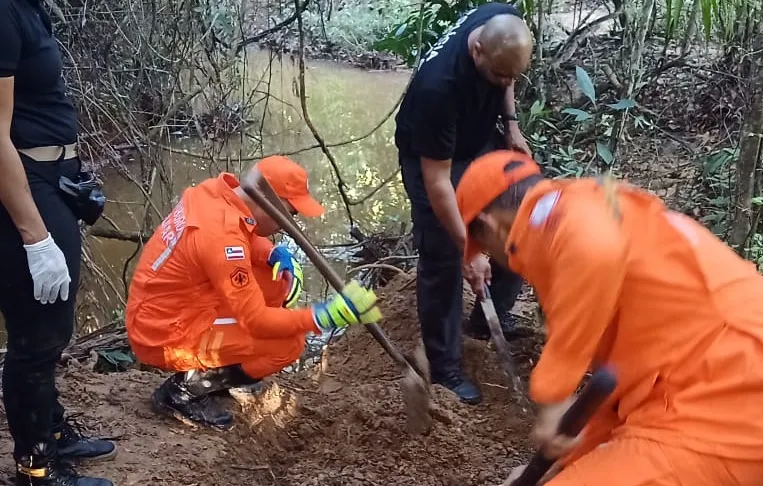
x: 596, y: 391
x: 502, y: 347
x: 268, y: 200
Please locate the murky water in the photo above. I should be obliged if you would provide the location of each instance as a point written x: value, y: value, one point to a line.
x: 343, y: 103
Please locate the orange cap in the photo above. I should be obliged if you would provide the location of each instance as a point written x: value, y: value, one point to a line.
x: 486, y: 178
x: 289, y: 181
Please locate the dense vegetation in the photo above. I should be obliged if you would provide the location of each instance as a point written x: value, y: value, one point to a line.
x: 664, y: 92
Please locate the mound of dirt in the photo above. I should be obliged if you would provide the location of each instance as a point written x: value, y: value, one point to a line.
x: 342, y: 423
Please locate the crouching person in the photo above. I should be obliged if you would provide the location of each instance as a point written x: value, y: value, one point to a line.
x: 212, y: 300
x: 623, y: 281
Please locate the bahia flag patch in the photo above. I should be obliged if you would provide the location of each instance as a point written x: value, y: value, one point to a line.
x: 234, y: 252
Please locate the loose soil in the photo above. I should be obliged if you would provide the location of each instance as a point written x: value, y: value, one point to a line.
x: 341, y: 423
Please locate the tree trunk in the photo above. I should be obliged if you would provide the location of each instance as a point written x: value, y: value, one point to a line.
x: 749, y: 159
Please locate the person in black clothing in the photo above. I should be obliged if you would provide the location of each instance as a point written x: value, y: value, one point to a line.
x: 40, y: 247
x: 463, y: 87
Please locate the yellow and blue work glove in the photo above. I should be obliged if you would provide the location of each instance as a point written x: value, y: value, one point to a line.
x: 295, y: 289
x: 282, y: 260
x: 354, y: 305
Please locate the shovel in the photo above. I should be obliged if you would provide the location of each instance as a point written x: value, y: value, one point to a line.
x: 594, y: 394
x: 502, y: 347
x: 414, y: 383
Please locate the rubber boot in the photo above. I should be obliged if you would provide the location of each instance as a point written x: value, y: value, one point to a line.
x: 186, y: 396
x: 222, y: 380
x: 41, y: 470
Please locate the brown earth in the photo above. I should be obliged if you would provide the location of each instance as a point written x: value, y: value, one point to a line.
x: 342, y: 423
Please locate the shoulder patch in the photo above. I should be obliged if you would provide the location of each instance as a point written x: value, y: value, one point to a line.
x: 239, y: 278
x: 543, y: 208
x: 234, y: 253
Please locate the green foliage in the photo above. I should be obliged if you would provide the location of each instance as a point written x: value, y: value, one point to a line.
x: 357, y: 26
x: 220, y: 18
x: 716, y: 200
x: 585, y: 83
x: 718, y: 161
x: 715, y: 204
x: 728, y: 21
x: 438, y: 17
x: 114, y: 360
x: 598, y: 120
x: 756, y: 250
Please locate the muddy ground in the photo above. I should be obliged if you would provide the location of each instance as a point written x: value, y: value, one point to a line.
x: 342, y: 423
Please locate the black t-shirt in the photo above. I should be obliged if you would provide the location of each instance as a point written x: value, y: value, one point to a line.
x: 42, y: 113
x: 450, y: 111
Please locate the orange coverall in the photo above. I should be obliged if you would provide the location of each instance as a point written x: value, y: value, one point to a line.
x: 676, y: 313
x: 202, y: 295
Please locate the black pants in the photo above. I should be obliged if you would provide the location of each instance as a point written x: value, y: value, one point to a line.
x: 439, y: 284
x: 37, y: 333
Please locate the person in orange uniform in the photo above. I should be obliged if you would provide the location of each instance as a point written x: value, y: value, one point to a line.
x: 626, y: 282
x: 212, y: 300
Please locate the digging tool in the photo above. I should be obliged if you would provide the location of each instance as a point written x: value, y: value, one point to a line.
x: 596, y: 391
x: 502, y: 347
x: 415, y: 379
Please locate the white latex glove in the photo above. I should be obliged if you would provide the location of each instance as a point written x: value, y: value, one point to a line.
x: 50, y: 274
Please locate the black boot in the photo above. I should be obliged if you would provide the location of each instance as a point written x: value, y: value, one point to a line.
x: 73, y: 444
x: 222, y: 380
x: 187, y: 398
x: 41, y: 470
x: 456, y: 382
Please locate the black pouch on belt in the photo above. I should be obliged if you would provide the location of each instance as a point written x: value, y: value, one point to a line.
x: 84, y: 196
x: 82, y: 193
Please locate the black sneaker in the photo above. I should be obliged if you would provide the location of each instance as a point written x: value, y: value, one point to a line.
x: 30, y: 472
x: 172, y: 398
x: 461, y: 386
x: 73, y: 444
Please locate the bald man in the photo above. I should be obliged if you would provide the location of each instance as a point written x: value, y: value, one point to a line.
x: 463, y: 88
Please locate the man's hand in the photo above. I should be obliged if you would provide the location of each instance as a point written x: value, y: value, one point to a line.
x: 282, y: 260
x: 354, y: 305
x: 545, y: 434
x: 515, y: 139
x: 50, y: 274
x: 517, y: 471
x: 296, y: 284
x: 478, y: 274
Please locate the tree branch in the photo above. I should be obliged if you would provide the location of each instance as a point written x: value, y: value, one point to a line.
x: 113, y: 234
x: 261, y: 35
x: 303, y: 102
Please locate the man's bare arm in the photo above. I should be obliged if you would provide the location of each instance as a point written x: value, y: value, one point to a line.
x: 442, y: 196
x: 514, y: 137
x: 509, y: 102
x: 15, y: 194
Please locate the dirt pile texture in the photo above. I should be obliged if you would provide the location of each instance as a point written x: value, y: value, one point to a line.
x: 341, y: 423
